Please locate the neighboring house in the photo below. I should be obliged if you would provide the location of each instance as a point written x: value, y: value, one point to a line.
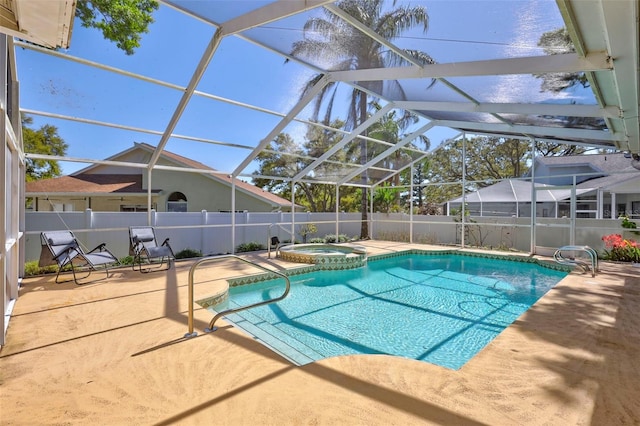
x: 105, y: 187
x: 607, y: 186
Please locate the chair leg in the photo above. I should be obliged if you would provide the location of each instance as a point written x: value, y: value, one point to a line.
x: 154, y: 268
x: 75, y: 279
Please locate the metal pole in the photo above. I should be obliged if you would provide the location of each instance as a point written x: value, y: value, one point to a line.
x: 464, y: 184
x: 337, y: 212
x: 411, y: 205
x: 534, y: 194
x: 233, y: 214
x: 293, y: 212
x: 572, y: 235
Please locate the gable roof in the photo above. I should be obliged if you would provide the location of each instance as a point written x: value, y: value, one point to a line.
x: 87, y: 180
x: 240, y: 185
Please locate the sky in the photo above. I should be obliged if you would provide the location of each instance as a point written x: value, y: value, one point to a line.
x: 246, y: 73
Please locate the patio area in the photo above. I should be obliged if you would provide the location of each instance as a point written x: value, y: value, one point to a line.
x: 112, y: 352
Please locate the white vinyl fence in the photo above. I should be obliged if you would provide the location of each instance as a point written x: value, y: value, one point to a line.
x: 211, y: 233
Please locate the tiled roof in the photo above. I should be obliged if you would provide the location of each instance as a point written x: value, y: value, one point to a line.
x: 87, y: 183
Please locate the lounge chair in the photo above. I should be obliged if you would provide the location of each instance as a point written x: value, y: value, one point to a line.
x: 144, y: 248
x: 61, y: 248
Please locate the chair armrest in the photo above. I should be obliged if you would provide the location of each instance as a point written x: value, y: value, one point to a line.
x: 166, y: 243
x: 101, y: 247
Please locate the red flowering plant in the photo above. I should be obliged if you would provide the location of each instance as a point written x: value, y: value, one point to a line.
x: 620, y: 249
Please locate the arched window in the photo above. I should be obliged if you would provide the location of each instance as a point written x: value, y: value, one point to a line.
x: 177, y: 202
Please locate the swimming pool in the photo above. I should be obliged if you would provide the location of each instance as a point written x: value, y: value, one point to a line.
x: 441, y: 309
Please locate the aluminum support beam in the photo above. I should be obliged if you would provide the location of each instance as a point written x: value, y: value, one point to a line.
x: 302, y: 103
x: 186, y: 96
x: 269, y: 13
x: 569, y: 62
x: 512, y: 108
x: 624, y: 49
x: 386, y: 153
x: 375, y: 117
x: 537, y: 131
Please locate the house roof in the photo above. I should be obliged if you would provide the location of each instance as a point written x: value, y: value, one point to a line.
x: 517, y: 191
x: 240, y: 185
x: 86, y: 183
x: 608, y: 163
x: 616, y: 169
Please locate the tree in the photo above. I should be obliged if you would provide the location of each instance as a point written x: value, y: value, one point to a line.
x: 488, y: 159
x: 331, y: 38
x: 390, y: 128
x: 553, y: 43
x: 121, y: 21
x: 42, y: 141
x: 285, y: 157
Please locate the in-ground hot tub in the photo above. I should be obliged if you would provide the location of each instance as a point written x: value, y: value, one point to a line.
x: 326, y: 256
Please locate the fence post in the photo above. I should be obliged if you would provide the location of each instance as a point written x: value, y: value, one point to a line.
x: 203, y: 222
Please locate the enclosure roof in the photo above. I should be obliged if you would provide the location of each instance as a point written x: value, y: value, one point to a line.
x: 481, y: 71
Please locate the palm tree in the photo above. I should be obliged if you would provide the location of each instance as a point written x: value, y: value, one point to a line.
x: 390, y: 128
x: 346, y: 48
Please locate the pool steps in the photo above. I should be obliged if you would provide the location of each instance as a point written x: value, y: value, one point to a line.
x: 212, y: 327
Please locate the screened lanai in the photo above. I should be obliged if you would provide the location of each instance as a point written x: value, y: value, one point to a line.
x: 224, y: 81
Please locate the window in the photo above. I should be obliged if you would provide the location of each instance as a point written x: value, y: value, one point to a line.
x: 135, y: 208
x: 177, y: 202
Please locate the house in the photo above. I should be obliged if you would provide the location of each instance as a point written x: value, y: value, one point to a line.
x: 109, y: 187
x: 606, y: 186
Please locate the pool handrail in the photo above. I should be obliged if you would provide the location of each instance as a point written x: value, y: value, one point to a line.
x: 558, y: 257
x: 210, y: 259
x: 269, y: 245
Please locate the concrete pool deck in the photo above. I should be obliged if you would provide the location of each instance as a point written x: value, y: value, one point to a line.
x: 112, y: 353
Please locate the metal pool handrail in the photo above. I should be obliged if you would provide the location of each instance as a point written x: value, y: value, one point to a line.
x: 572, y: 261
x: 211, y: 328
x: 269, y: 238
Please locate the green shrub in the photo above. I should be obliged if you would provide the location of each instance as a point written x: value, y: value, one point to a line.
x: 626, y: 223
x: 331, y: 238
x: 31, y: 268
x: 252, y: 246
x: 127, y: 260
x: 316, y: 240
x: 188, y: 254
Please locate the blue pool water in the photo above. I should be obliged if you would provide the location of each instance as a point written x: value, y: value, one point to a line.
x: 441, y: 309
